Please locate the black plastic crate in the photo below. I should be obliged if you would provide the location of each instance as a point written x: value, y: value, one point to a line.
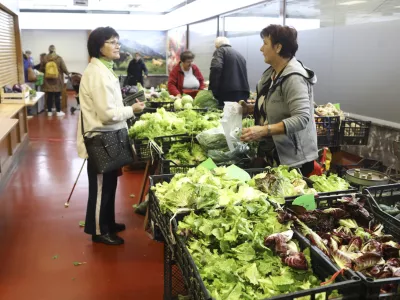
x: 371, y: 287
x: 354, y: 132
x: 144, y: 150
x: 174, y: 285
x: 348, y: 285
x: 167, y: 105
x: 327, y: 131
x: 166, y: 142
x: 159, y: 220
x: 385, y: 194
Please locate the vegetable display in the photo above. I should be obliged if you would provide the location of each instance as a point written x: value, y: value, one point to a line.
x: 201, y: 188
x: 331, y: 183
x: 164, y: 123
x: 351, y: 236
x: 229, y: 248
x: 186, y: 154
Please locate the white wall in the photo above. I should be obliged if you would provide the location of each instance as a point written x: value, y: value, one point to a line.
x: 201, y: 42
x: 70, y: 44
x: 11, y: 5
x: 357, y: 66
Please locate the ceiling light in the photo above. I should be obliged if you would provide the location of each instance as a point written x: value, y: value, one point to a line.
x: 352, y: 3
x: 397, y: 6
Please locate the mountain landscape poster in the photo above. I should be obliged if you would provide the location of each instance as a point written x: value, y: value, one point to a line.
x: 176, y: 44
x: 150, y: 44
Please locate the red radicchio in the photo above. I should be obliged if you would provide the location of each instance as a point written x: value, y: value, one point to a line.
x: 389, y: 251
x: 393, y: 262
x: 372, y: 246
x: 297, y: 261
x: 367, y: 260
x: 355, y: 244
x: 278, y: 242
x: 335, y: 212
x: 342, y: 259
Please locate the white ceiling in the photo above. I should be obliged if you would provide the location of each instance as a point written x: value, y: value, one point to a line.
x: 145, y: 6
x: 329, y: 12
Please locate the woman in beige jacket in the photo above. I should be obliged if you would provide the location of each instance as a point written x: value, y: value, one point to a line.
x: 53, y: 86
x: 102, y: 109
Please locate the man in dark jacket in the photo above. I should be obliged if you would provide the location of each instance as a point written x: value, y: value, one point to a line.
x: 228, y: 73
x: 135, y: 71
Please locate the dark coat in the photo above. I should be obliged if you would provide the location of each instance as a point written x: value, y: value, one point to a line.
x: 228, y: 72
x: 135, y: 71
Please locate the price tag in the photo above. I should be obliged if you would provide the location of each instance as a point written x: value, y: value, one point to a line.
x: 337, y: 105
x: 235, y: 172
x: 306, y: 201
x: 208, y: 164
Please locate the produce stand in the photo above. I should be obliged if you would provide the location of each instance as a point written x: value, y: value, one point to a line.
x: 348, y: 285
x: 179, y: 262
x: 371, y: 287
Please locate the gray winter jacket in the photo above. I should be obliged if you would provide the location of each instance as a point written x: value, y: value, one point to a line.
x: 289, y: 99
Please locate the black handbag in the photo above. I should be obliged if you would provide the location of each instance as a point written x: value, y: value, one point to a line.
x: 108, y: 150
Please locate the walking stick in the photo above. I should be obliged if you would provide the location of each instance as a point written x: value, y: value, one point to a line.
x: 66, y: 205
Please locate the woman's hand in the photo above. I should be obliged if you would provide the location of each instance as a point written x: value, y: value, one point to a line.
x: 246, y: 108
x: 178, y: 96
x: 254, y: 133
x: 138, y: 106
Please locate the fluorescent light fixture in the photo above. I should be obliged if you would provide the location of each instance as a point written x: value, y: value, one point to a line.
x: 352, y: 2
x: 398, y: 6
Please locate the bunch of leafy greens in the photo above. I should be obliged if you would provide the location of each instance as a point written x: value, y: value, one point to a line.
x: 329, y: 184
x: 205, y: 99
x: 196, y: 122
x: 186, y: 154
x: 281, y: 182
x: 227, y: 246
x: 201, y: 188
x: 164, y: 123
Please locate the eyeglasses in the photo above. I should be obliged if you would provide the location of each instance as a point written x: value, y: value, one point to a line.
x: 114, y: 43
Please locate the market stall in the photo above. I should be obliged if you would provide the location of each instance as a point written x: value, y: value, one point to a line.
x: 235, y: 232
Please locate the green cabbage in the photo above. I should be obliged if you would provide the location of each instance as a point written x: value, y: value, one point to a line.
x: 178, y: 104
x: 205, y: 99
x: 187, y: 99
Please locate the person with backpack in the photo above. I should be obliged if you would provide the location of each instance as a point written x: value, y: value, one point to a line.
x: 53, y: 67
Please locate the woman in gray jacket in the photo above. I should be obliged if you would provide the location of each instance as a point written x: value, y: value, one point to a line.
x: 102, y: 110
x: 284, y: 111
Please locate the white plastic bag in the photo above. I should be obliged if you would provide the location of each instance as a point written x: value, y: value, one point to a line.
x: 232, y: 123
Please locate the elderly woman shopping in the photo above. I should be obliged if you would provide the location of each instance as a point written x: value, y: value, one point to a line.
x: 185, y: 77
x: 102, y: 111
x: 284, y: 112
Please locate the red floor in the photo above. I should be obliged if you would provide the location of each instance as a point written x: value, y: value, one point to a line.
x: 35, y: 227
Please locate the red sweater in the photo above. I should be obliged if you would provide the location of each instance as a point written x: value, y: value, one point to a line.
x: 176, y: 76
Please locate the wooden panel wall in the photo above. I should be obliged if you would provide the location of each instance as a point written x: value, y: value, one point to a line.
x: 11, y: 63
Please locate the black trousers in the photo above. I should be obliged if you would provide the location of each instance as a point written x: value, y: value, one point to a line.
x: 100, y: 212
x: 232, y: 97
x: 51, y: 98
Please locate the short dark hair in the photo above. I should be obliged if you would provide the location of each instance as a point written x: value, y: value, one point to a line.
x: 97, y: 38
x: 186, y: 55
x: 43, y: 54
x: 284, y: 35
